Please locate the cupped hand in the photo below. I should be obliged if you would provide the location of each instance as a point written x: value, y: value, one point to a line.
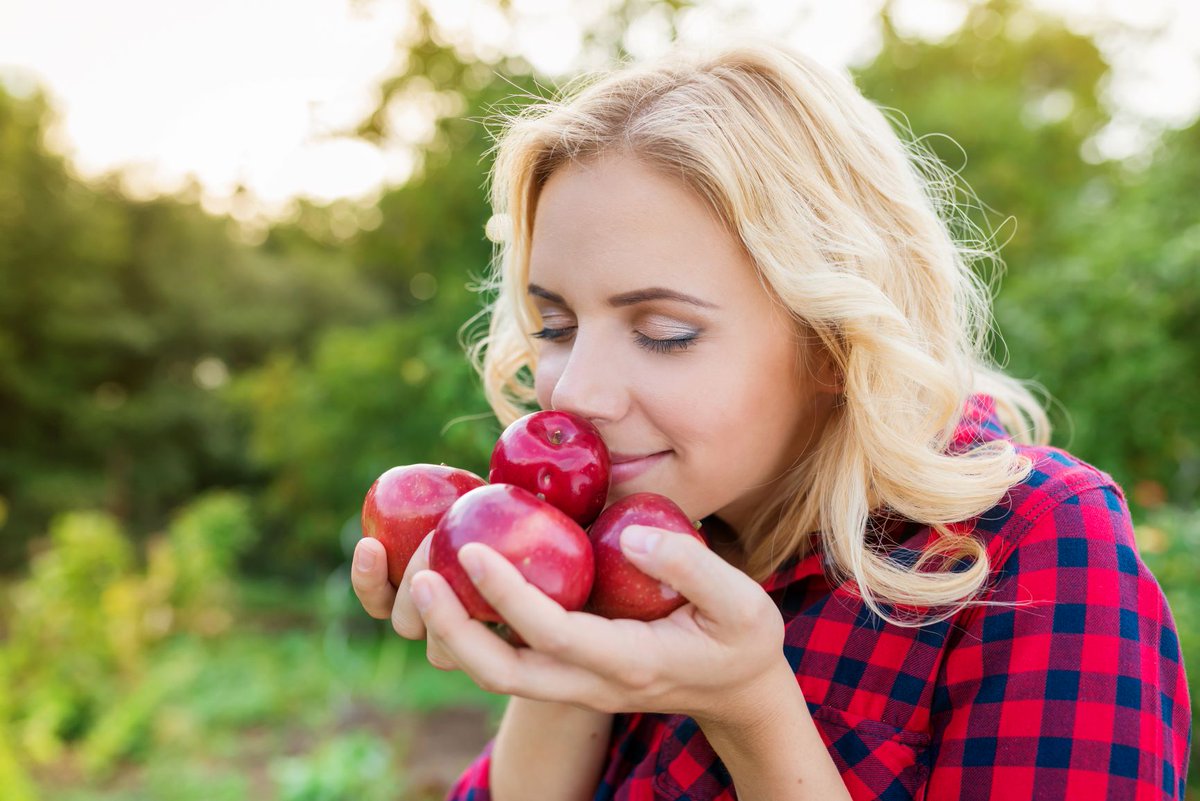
x: 698, y: 661
x: 383, y: 601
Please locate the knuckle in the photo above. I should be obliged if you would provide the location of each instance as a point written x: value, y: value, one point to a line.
x: 500, y: 684
x: 554, y: 642
x: 777, y: 630
x: 767, y: 613
x: 604, y: 705
x: 745, y: 613
x: 406, y: 626
x: 762, y: 618
x: 376, y: 604
x: 437, y: 657
x: 608, y: 704
x: 369, y: 593
x: 638, y: 676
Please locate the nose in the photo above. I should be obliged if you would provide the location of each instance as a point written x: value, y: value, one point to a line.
x: 590, y: 381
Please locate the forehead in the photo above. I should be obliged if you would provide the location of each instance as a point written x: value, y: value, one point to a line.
x: 615, y: 221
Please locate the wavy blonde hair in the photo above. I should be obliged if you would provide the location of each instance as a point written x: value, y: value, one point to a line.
x: 849, y: 226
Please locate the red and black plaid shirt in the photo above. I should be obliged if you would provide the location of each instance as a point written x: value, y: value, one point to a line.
x: 1079, y: 692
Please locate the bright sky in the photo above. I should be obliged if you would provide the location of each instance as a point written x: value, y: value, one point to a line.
x: 260, y: 92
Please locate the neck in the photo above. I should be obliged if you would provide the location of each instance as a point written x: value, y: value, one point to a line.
x: 723, y: 539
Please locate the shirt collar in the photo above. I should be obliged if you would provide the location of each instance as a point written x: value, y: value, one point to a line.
x: 979, y: 423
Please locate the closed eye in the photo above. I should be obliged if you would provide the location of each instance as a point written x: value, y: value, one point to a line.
x: 664, y: 345
x: 553, y: 334
x: 647, y: 343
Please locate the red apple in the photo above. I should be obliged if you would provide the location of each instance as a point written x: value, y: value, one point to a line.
x: 406, y: 502
x: 557, y: 456
x: 549, y: 549
x: 621, y: 590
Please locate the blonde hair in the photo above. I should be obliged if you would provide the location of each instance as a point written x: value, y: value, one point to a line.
x: 848, y: 227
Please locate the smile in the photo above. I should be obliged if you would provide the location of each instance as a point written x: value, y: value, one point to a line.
x: 626, y: 470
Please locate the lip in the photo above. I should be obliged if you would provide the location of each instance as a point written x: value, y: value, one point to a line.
x: 625, y: 467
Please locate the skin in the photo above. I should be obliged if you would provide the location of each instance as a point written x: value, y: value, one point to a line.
x: 734, y: 408
x: 730, y: 399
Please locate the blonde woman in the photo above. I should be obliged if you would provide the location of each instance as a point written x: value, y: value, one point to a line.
x: 734, y: 267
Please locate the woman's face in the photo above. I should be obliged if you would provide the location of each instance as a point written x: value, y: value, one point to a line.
x: 658, y: 331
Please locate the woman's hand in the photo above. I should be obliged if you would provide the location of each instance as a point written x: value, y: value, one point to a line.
x: 716, y: 657
x: 381, y: 600
x: 369, y: 577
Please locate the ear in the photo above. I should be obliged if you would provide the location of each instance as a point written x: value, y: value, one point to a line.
x: 821, y: 367
x: 827, y: 375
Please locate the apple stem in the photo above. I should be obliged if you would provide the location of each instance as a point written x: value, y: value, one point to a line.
x: 556, y: 437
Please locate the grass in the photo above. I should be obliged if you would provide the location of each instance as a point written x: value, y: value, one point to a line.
x: 304, y: 699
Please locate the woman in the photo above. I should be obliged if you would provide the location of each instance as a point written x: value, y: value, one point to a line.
x: 736, y: 270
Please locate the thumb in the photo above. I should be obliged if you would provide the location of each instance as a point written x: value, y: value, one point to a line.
x: 685, y: 564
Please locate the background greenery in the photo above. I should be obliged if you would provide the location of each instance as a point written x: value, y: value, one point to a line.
x: 190, y: 413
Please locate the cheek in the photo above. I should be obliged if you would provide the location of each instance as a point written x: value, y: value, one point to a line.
x: 749, y: 416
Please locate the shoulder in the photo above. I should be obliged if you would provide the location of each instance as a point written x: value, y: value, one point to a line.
x: 1063, y: 501
x: 1059, y: 495
x: 1061, y: 511
x: 1063, y: 559
x: 1074, y: 630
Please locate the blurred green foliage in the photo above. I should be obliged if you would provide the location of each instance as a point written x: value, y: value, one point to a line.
x: 190, y: 412
x: 352, y: 766
x: 102, y: 616
x: 113, y: 662
x: 1100, y: 300
x: 1168, y: 541
x: 118, y: 319
x: 397, y: 392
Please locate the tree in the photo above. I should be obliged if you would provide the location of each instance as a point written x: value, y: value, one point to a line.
x: 117, y: 320
x: 1099, y: 297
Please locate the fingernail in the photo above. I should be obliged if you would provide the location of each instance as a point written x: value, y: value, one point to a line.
x: 472, y: 564
x: 639, y: 539
x: 365, y: 560
x: 421, y: 595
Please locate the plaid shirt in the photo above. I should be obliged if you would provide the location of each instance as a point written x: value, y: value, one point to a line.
x: 1079, y: 692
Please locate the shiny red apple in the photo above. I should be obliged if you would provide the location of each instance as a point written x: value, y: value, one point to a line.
x: 549, y: 549
x: 559, y: 457
x: 621, y: 590
x: 406, y: 502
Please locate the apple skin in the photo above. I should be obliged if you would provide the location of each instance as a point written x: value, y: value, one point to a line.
x: 621, y: 590
x: 405, y: 503
x: 548, y: 548
x: 559, y: 457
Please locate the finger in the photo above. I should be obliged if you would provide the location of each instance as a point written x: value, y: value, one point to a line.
x: 437, y: 654
x: 452, y: 634
x: 369, y: 578
x: 598, y: 645
x: 491, y: 663
x: 720, y: 591
x: 406, y: 620
x: 418, y: 598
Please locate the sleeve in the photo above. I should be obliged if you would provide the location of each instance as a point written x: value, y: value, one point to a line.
x: 473, y: 785
x: 1076, y: 688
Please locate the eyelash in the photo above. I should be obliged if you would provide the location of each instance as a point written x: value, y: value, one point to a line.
x: 650, y: 344
x: 664, y: 345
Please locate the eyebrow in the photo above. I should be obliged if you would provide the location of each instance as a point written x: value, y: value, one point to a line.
x: 630, y: 298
